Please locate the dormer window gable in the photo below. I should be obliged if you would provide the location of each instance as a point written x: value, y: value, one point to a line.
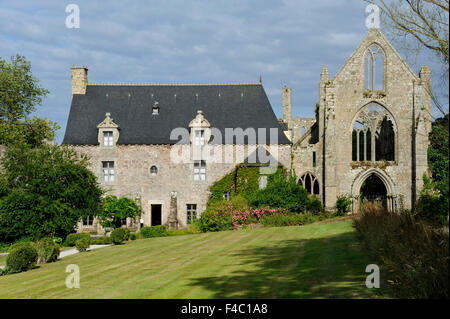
x: 108, y: 132
x: 200, y: 130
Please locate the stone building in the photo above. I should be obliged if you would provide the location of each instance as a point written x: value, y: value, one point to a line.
x: 370, y: 134
x: 369, y: 137
x: 165, y: 145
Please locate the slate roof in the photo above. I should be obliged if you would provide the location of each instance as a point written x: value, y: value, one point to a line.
x: 255, y: 158
x: 224, y: 106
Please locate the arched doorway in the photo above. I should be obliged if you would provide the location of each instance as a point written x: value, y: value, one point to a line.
x: 374, y: 184
x: 374, y: 190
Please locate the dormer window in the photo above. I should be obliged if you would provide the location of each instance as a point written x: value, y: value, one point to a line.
x: 108, y: 138
x: 155, y: 108
x: 108, y: 132
x: 200, y: 130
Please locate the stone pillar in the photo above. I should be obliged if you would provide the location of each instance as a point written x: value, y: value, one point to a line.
x: 173, y: 217
x: 79, y: 80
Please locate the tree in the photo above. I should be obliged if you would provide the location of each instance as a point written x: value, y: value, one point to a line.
x: 438, y: 154
x: 45, y: 191
x: 419, y: 24
x: 117, y: 209
x: 20, y: 92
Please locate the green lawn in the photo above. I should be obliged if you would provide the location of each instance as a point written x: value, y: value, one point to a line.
x: 314, y: 261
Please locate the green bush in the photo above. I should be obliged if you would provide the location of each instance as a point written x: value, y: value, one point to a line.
x: 119, y: 235
x: 47, y: 250
x: 57, y: 240
x: 343, y: 205
x: 154, y: 231
x: 21, y: 258
x: 279, y: 220
x: 178, y: 232
x: 216, y: 220
x: 413, y: 255
x: 104, y: 240
x: 133, y: 236
x: 285, y: 192
x: 82, y: 244
x: 72, y: 238
x: 19, y: 244
x: 4, y: 247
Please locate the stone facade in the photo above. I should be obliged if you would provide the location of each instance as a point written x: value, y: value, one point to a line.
x: 133, y: 178
x: 360, y: 132
x: 402, y: 99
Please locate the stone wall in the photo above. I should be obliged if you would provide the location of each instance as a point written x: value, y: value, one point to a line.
x: 132, y: 175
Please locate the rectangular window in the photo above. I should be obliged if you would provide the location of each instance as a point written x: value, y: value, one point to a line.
x: 108, y: 138
x: 314, y: 159
x: 199, y: 170
x: 191, y: 213
x: 199, y: 137
x: 108, y: 171
x: 88, y: 221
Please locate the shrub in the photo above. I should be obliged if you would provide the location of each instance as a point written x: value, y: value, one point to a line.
x: 285, y: 192
x: 289, y: 220
x: 72, y: 238
x: 216, y: 220
x: 154, y: 231
x: 47, y: 250
x: 4, y: 247
x: 82, y: 244
x: 133, y: 236
x: 177, y: 232
x: 413, y: 256
x: 119, y: 235
x: 57, y: 240
x: 194, y: 228
x: 343, y: 205
x: 21, y: 258
x: 18, y: 244
x: 104, y: 240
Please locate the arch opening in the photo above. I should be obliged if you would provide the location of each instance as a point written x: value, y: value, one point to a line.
x: 310, y: 183
x: 373, y: 189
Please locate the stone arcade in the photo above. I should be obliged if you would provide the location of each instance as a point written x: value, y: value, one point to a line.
x: 369, y: 137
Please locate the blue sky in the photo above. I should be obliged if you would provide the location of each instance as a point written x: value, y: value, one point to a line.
x: 286, y: 42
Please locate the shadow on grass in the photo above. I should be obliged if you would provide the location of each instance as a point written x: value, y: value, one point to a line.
x: 330, y: 267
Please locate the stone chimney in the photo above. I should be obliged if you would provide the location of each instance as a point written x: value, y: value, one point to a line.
x: 287, y: 104
x: 79, y: 80
x: 425, y: 76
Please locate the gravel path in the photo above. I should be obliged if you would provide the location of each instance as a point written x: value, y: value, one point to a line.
x: 72, y: 251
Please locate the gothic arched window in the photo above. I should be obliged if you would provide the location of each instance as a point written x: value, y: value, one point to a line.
x: 373, y: 135
x: 373, y: 68
x: 310, y: 183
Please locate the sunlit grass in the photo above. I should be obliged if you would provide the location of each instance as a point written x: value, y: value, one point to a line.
x: 314, y: 261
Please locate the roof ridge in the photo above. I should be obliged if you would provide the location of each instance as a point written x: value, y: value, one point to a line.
x: 171, y: 84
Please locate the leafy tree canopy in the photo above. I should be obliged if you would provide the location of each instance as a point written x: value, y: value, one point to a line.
x: 20, y: 92
x: 117, y: 209
x: 45, y: 191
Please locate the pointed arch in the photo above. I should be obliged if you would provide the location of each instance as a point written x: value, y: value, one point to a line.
x: 374, y: 67
x: 374, y: 134
x: 310, y: 183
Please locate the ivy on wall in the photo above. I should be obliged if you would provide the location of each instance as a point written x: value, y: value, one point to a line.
x: 243, y: 181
